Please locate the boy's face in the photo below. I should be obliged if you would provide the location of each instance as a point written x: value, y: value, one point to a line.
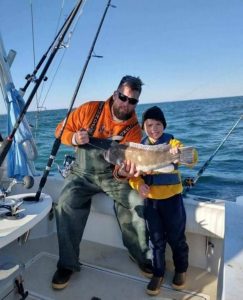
x: 153, y: 128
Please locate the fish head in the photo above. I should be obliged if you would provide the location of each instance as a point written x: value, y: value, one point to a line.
x: 115, y: 154
x: 110, y: 157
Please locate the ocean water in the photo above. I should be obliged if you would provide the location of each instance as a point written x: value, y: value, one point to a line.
x: 200, y: 123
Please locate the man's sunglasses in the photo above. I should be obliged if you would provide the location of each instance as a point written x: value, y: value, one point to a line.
x: 124, y: 98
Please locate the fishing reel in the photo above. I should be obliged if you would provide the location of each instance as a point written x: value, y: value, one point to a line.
x: 188, y: 182
x: 67, y: 164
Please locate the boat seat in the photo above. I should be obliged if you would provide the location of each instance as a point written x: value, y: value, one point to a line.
x: 204, y: 218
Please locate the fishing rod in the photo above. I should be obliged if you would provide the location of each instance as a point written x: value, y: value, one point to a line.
x: 6, y: 144
x: 57, y: 141
x: 31, y: 77
x: 190, y: 182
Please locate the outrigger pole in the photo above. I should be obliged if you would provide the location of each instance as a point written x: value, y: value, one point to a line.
x: 193, y: 181
x: 57, y: 141
x: 6, y: 144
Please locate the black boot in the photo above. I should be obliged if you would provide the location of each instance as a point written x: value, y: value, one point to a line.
x: 61, y: 278
x: 179, y: 281
x: 153, y: 288
x: 146, y: 267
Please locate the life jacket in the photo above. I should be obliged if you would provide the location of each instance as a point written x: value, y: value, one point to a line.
x: 162, y: 178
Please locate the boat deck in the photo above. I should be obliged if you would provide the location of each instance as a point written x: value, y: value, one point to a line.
x: 107, y: 273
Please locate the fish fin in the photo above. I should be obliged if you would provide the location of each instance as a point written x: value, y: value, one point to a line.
x: 161, y: 147
x: 188, y: 156
x: 166, y: 169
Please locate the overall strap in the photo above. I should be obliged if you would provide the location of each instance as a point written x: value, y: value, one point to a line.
x: 96, y: 118
x: 126, y: 129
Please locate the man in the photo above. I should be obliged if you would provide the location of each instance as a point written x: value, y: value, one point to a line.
x: 91, y: 174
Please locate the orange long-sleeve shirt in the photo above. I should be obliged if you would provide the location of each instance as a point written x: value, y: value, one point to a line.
x: 106, y: 127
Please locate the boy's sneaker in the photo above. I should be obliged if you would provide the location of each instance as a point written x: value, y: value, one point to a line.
x: 146, y: 268
x: 153, y: 288
x: 61, y: 278
x: 179, y: 280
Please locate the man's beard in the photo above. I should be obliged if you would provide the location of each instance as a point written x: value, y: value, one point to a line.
x: 120, y: 114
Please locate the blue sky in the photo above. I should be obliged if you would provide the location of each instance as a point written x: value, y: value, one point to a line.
x: 181, y: 49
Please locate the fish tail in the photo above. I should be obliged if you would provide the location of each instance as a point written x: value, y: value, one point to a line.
x: 188, y: 156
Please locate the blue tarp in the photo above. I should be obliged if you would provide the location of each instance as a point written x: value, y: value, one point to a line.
x: 18, y: 163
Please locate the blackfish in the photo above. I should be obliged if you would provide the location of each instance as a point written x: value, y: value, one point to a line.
x: 150, y: 157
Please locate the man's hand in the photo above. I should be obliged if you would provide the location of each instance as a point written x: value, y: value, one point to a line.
x: 128, y: 169
x: 81, y: 137
x: 144, y: 190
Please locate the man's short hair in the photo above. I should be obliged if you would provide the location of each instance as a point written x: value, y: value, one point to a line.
x: 135, y: 83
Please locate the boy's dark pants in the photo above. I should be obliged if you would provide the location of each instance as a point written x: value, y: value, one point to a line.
x: 166, y: 221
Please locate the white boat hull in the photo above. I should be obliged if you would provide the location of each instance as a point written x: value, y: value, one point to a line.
x: 215, y: 244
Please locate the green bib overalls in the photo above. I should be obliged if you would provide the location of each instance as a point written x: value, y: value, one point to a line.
x: 91, y: 174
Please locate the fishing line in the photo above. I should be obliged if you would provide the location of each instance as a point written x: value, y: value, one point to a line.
x: 33, y: 50
x: 6, y: 144
x: 95, y: 146
x: 57, y: 141
x: 192, y: 181
x: 65, y: 46
x: 31, y: 77
x: 32, y: 31
x: 103, y: 144
x: 60, y: 15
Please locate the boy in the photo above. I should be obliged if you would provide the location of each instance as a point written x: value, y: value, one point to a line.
x: 164, y: 210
